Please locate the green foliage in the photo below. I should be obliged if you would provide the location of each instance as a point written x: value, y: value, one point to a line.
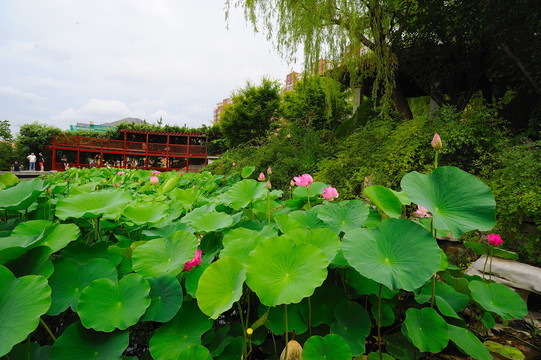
x: 252, y: 113
x: 5, y: 131
x: 33, y: 137
x: 317, y: 103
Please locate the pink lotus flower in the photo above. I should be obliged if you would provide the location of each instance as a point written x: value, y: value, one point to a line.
x: 269, y: 185
x: 120, y: 173
x: 494, y: 240
x: 233, y: 164
x: 154, y: 180
x: 303, y: 180
x: 261, y: 177
x: 436, y: 142
x: 422, y: 212
x: 269, y: 171
x: 156, y: 173
x: 330, y: 194
x: 196, y: 261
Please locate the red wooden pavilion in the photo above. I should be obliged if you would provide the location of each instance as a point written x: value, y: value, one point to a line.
x: 139, y: 149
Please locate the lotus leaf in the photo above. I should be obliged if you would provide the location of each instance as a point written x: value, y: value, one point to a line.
x: 316, y: 188
x: 198, y: 352
x: 385, y: 199
x: 83, y: 253
x: 331, y: 347
x: 184, y: 330
x: 280, y: 272
x: 426, y: 329
x: 448, y: 300
x: 366, y: 286
x: 21, y: 196
x: 499, y: 299
x: 57, y: 236
x: 164, y: 256
x: 212, y: 221
x: 323, y: 303
x: 85, y: 344
x: 22, y: 301
x: 353, y: 324
x: 8, y: 179
x: 220, y: 286
x: 166, y: 298
x: 243, y: 193
x: 458, y: 200
x: 324, y: 239
x: 247, y: 171
x: 107, y: 203
x: 240, y: 241
x: 400, y: 347
x: 146, y: 213
x: 34, y: 262
x: 220, y: 341
x: 398, y: 253
x: 344, y: 216
x: 192, y: 279
x: 29, y: 351
x: 105, y: 305
x: 469, y: 343
x: 276, y: 319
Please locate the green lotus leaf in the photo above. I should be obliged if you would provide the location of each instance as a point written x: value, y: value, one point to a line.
x: 240, y: 241
x: 34, y: 262
x: 323, y: 303
x: 83, y: 253
x: 387, y: 316
x: 484, y: 249
x: 344, y: 216
x: 22, y: 301
x: 332, y: 347
x: 316, y: 188
x: 146, y: 213
x: 458, y: 201
x: 426, y: 329
x: 403, y: 197
x: 374, y: 355
x: 508, y: 352
x: 498, y: 299
x: 366, y: 286
x: 234, y: 350
x: 373, y: 219
x: 184, y: 330
x: 220, y: 286
x: 70, y: 278
x: 192, y: 279
x: 212, y: 221
x: 243, y: 193
x: 31, y: 228
x: 79, y: 343
x: 185, y: 197
x: 448, y: 300
x: 8, y: 179
x: 105, y: 305
x: 220, y: 341
x: 198, y: 352
x: 21, y: 196
x: 469, y: 343
x: 398, y: 253
x: 400, y: 347
x: 353, y: 324
x: 83, y: 188
x: 29, y: 351
x: 276, y: 319
x: 280, y: 272
x: 324, y: 239
x: 108, y: 203
x: 166, y: 298
x: 197, y: 212
x: 385, y: 199
x: 164, y: 256
x: 247, y: 171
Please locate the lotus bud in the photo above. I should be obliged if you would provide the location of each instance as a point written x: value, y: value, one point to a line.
x: 268, y: 185
x: 233, y: 164
x: 261, y: 177
x: 494, y: 239
x: 269, y: 171
x: 292, y: 183
x: 154, y: 180
x: 436, y: 142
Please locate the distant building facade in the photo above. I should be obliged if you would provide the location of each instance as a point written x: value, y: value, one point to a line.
x: 291, y: 80
x: 105, y: 126
x: 219, y: 109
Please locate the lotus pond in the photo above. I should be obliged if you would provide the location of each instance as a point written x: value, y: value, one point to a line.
x: 104, y: 264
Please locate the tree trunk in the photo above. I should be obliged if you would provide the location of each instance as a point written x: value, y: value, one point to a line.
x: 401, y: 103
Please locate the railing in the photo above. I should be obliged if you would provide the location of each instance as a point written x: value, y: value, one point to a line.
x: 107, y: 145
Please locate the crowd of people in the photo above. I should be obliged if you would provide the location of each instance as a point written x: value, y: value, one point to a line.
x: 16, y: 166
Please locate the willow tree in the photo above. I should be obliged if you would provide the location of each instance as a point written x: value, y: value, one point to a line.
x: 337, y: 30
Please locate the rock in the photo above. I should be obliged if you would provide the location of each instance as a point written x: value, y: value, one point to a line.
x: 511, y: 273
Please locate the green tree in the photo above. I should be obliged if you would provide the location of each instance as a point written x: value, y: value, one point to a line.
x: 253, y: 111
x: 317, y: 102
x: 34, y: 137
x: 5, y: 131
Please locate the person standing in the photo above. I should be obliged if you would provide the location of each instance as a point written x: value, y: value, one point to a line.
x: 41, y: 161
x: 16, y: 166
x: 32, y: 160
x: 64, y: 160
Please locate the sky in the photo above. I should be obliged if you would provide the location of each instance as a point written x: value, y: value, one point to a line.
x: 69, y: 61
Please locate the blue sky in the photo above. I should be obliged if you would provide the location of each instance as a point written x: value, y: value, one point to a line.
x: 68, y: 61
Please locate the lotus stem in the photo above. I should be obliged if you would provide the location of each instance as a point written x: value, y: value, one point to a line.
x: 490, y: 268
x: 309, y: 316
x: 379, y: 322
x: 308, y: 195
x: 272, y: 335
x: 484, y: 267
x: 436, y: 160
x: 285, y: 306
x: 48, y: 330
x: 243, y: 331
x: 268, y: 206
x: 433, y: 291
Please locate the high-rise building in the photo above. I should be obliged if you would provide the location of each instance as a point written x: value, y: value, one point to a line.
x: 291, y: 80
x: 220, y: 108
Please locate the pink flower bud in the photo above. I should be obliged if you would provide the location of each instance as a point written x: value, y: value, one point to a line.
x: 120, y: 173
x: 261, y: 177
x: 436, y: 142
x: 233, y: 164
x: 330, y: 194
x: 494, y: 239
x: 269, y: 171
x: 268, y: 185
x: 156, y: 173
x: 196, y: 261
x: 292, y: 183
x: 154, y: 180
